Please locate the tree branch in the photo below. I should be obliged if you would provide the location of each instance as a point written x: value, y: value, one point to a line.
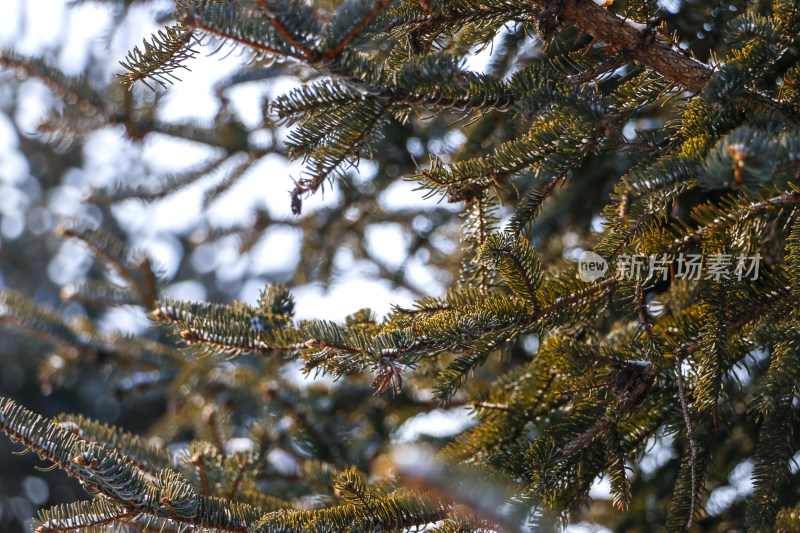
x: 694, y: 447
x: 631, y: 39
x: 285, y: 33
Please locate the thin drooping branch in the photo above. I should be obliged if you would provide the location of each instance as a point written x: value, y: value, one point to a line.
x: 694, y: 447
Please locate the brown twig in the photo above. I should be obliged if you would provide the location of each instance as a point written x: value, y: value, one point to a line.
x: 237, y: 482
x: 149, y: 292
x: 197, y: 23
x: 379, y: 6
x: 285, y: 33
x: 197, y: 460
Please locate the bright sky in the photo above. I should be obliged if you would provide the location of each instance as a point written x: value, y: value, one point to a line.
x: 85, y: 28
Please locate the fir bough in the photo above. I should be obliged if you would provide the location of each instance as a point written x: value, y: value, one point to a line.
x: 603, y: 134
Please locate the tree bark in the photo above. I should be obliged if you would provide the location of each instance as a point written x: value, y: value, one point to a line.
x: 631, y: 39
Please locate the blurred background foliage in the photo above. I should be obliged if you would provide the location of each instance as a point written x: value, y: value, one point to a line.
x: 213, y: 237
x: 226, y: 228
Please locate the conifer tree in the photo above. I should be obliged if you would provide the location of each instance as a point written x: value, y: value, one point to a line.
x: 627, y: 277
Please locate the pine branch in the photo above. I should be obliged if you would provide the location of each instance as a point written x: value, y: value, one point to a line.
x: 597, y: 387
x: 138, y: 275
x: 138, y: 452
x: 554, y: 143
x: 171, y: 184
x: 455, y: 376
x: 773, y: 455
x: 513, y: 256
x: 327, y: 163
x: 230, y: 329
x: 109, y: 473
x: 78, y: 89
x: 19, y: 312
x: 749, y: 212
x: 165, y: 53
x: 334, y: 50
x: 397, y: 511
x: 98, y: 293
x: 237, y: 482
x: 320, y: 442
x: 81, y: 516
x: 531, y: 205
x: 232, y: 24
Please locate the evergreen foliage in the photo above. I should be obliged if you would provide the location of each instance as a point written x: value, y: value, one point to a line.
x: 615, y: 129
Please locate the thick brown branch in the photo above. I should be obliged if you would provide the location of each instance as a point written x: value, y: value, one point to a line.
x: 633, y: 40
